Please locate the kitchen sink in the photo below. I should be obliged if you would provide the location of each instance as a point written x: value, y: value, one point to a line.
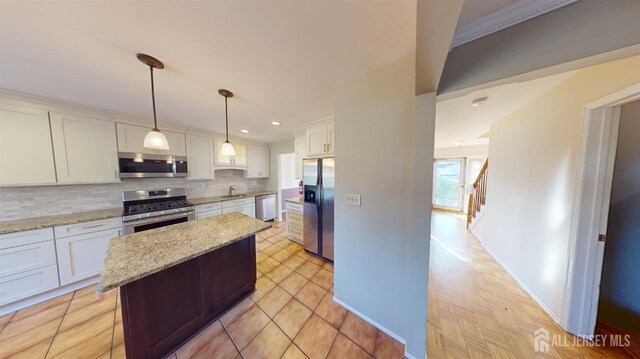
x: 239, y: 195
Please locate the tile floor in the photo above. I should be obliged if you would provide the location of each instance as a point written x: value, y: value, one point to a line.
x: 476, y: 310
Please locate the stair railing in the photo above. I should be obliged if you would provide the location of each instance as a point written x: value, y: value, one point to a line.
x: 478, y: 196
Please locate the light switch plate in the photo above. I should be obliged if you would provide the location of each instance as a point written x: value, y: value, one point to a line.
x: 352, y: 199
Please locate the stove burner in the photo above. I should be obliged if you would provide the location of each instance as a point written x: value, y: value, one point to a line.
x: 154, y: 207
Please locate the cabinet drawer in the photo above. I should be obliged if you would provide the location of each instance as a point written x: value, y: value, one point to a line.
x: 294, y: 217
x: 87, y: 227
x: 208, y: 207
x: 26, y: 237
x: 293, y: 231
x: 295, y: 207
x: 238, y: 202
x: 82, y: 256
x: 208, y: 214
x: 295, y: 226
x: 26, y: 284
x: 24, y: 258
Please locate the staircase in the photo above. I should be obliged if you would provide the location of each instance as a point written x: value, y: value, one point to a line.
x: 478, y: 196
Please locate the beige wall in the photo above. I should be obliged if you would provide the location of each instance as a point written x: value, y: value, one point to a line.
x: 531, y: 180
x: 380, y: 271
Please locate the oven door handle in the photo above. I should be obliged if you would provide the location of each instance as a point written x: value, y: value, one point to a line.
x: 140, y: 222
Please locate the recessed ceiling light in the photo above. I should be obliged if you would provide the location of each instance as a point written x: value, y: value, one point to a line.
x: 244, y: 131
x: 275, y: 123
x: 479, y: 101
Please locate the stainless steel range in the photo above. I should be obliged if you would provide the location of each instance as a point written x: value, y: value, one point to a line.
x: 144, y: 210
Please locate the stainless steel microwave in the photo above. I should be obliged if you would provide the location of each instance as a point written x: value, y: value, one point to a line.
x: 141, y: 165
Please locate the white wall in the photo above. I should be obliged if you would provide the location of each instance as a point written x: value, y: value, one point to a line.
x: 287, y: 176
x: 276, y: 149
x: 374, y: 119
x: 531, y: 182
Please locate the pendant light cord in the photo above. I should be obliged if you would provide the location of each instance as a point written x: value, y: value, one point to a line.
x: 153, y: 100
x: 226, y: 117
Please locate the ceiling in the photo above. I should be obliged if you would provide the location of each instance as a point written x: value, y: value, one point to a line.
x: 281, y: 58
x: 483, y: 17
x: 457, y: 120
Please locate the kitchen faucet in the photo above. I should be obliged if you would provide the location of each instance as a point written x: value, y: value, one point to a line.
x: 231, y: 189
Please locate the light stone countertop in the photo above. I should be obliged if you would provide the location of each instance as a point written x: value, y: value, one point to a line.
x: 213, y: 199
x: 28, y: 224
x: 138, y: 255
x: 297, y: 199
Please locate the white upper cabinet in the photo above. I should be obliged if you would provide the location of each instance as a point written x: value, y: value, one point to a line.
x: 237, y: 161
x: 26, y: 153
x: 200, y: 157
x: 301, y: 153
x: 320, y: 139
x: 258, y: 162
x: 131, y: 138
x: 85, y: 149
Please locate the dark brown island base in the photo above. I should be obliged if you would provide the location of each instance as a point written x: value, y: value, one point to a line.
x: 175, y: 280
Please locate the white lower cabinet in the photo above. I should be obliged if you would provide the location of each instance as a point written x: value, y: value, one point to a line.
x: 207, y: 214
x: 295, y: 221
x: 27, y: 264
x: 82, y: 256
x: 242, y: 205
x: 208, y: 210
x: 27, y: 284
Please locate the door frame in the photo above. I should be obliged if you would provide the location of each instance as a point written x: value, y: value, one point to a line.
x: 461, y: 188
x: 594, y: 176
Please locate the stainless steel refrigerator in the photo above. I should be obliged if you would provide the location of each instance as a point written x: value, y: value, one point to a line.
x: 318, y: 176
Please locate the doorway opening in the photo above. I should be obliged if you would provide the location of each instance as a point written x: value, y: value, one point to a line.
x: 287, y: 182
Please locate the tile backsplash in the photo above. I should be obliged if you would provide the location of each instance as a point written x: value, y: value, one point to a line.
x: 29, y: 202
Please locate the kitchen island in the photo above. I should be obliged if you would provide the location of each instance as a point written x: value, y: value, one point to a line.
x: 175, y: 280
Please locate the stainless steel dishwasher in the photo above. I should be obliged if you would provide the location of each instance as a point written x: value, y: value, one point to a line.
x: 266, y: 207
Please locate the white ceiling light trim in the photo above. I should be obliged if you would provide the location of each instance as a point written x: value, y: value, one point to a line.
x: 520, y: 11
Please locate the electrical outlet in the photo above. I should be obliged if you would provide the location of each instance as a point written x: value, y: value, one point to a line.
x: 352, y: 199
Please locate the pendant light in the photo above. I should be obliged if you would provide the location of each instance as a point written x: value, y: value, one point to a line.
x: 227, y: 148
x: 154, y: 139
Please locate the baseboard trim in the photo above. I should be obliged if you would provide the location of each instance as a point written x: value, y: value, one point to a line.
x: 42, y: 297
x: 372, y: 322
x: 521, y: 284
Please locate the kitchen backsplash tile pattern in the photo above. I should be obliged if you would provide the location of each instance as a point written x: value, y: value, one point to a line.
x: 29, y: 202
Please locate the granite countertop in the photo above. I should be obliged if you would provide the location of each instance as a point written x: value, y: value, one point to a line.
x: 213, y: 199
x: 297, y: 199
x: 28, y: 224
x: 137, y: 255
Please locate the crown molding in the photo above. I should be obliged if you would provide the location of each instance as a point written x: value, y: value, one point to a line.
x: 510, y: 15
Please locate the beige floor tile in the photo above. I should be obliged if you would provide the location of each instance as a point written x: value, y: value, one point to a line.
x: 86, y: 290
x: 387, y: 347
x: 236, y: 311
x: 294, y: 247
x: 316, y: 337
x: 38, y: 350
x: 260, y: 256
x: 74, y: 336
x: 293, y: 352
x: 294, y: 262
x: 308, y: 269
x: 245, y: 328
x: 282, y: 255
x: 292, y: 317
x: 40, y: 307
x: 38, y: 334
x: 271, y: 343
x: 323, y: 278
x: 202, y: 338
x: 261, y: 246
x: 284, y: 243
x: 87, y: 311
x: 328, y: 266
x: 279, y: 273
x: 5, y: 319
x: 17, y: 327
x: 345, y: 348
x: 275, y: 300
x: 272, y: 250
x: 311, y: 295
x: 332, y: 312
x: 220, y: 347
x: 93, y: 347
x: 263, y: 286
x: 360, y: 332
x: 267, y: 265
x: 293, y: 283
